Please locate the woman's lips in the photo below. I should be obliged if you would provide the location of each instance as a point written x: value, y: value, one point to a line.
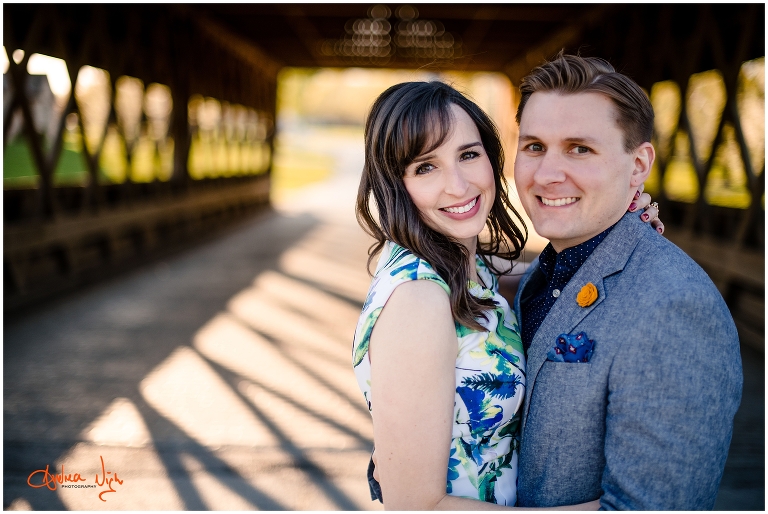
x: 460, y: 209
x: 465, y: 211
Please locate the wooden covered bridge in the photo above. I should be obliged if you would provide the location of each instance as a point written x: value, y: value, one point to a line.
x: 64, y: 228
x: 220, y: 378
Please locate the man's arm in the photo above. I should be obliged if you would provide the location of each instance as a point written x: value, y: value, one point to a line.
x: 671, y: 401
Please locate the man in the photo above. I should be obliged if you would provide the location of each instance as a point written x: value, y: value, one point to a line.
x: 633, y: 364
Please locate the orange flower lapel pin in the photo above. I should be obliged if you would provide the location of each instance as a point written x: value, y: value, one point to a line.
x: 587, y: 295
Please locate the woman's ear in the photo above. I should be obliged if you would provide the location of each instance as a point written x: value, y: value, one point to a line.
x: 644, y: 156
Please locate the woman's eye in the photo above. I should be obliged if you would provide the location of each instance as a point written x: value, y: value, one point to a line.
x: 421, y: 169
x: 468, y: 155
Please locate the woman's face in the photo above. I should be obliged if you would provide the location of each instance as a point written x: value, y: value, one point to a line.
x: 453, y: 186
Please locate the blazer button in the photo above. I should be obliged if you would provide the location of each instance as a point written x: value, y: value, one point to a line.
x: 556, y: 293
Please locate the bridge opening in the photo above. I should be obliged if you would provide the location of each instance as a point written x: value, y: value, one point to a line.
x: 320, y: 110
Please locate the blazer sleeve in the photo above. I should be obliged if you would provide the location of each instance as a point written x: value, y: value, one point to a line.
x: 673, y: 390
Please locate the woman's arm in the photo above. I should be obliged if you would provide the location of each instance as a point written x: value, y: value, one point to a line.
x: 413, y: 355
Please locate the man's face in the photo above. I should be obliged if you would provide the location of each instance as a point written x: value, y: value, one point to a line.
x: 573, y: 176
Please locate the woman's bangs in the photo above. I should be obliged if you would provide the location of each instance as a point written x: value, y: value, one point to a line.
x: 425, y: 130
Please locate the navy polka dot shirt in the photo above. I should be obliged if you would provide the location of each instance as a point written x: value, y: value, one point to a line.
x: 558, y: 269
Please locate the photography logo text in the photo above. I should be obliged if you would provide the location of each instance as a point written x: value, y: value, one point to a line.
x: 44, y: 478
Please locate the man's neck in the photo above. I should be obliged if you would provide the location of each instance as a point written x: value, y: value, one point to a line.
x: 563, y: 244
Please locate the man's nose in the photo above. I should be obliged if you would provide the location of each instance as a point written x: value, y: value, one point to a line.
x: 551, y: 169
x: 456, y: 183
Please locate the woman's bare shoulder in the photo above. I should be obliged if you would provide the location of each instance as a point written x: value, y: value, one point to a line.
x: 420, y: 298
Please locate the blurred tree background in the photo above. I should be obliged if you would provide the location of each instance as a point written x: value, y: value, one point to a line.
x: 321, y: 106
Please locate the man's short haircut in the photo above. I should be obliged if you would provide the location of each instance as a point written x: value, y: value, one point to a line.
x: 571, y: 74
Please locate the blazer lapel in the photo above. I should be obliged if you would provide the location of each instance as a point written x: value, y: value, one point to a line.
x: 608, y: 258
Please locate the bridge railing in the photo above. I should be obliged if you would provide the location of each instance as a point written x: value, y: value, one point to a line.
x: 145, y: 143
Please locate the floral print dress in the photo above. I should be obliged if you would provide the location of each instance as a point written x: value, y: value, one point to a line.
x: 490, y: 379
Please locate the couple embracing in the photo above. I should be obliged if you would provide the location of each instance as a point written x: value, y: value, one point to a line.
x: 612, y: 380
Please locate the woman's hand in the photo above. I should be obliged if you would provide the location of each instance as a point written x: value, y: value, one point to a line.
x: 651, y: 214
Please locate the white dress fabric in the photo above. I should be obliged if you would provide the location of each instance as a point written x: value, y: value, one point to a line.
x: 490, y: 379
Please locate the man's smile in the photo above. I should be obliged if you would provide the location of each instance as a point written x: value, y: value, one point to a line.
x: 558, y: 202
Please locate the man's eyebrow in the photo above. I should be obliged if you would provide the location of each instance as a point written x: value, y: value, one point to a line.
x: 581, y: 139
x: 575, y: 139
x: 422, y: 158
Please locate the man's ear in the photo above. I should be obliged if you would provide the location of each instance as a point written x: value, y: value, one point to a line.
x: 644, y: 156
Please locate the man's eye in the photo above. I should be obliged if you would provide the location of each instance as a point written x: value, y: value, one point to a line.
x: 535, y: 147
x: 581, y: 149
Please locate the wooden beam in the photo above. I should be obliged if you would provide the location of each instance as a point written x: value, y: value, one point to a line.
x: 304, y: 29
x: 473, y: 37
x: 518, y: 68
x: 241, y: 47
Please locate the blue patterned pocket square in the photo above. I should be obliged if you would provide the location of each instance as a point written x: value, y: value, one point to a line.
x: 571, y: 348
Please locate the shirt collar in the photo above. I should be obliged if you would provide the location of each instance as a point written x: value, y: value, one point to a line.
x: 571, y: 258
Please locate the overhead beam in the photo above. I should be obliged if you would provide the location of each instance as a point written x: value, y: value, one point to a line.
x: 304, y: 29
x: 239, y: 46
x: 518, y: 68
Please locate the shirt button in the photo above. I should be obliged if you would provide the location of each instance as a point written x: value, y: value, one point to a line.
x: 556, y: 293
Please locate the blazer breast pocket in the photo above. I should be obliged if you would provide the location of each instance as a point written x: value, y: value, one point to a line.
x: 562, y: 386
x: 572, y: 375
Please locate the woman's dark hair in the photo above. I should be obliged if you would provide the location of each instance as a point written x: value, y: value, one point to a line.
x: 409, y: 120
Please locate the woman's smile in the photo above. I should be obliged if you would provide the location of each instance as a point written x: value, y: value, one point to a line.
x: 464, y: 211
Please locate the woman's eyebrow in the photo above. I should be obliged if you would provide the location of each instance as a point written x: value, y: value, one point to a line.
x: 422, y: 158
x: 469, y: 145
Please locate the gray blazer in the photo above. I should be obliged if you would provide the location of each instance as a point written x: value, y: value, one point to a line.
x: 647, y: 422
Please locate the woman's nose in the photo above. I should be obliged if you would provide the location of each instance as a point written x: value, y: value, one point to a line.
x: 456, y: 183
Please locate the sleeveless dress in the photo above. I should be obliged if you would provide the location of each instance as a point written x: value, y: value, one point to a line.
x: 490, y: 379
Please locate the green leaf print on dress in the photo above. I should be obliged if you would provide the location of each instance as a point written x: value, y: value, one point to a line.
x: 502, y: 353
x: 361, y: 350
x: 453, y: 474
x: 510, y: 336
x: 464, y: 454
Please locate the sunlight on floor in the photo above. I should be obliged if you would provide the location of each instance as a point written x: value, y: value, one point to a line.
x: 189, y: 392
x: 120, y: 424
x: 213, y: 493
x: 271, y: 373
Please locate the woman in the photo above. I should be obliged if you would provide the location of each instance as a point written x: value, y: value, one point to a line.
x: 433, y: 167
